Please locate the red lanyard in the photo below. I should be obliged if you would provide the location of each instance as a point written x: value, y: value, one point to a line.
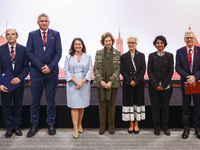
x: 13, y: 55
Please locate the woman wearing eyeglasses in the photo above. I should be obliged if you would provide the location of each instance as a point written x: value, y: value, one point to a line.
x: 133, y: 68
x: 160, y: 71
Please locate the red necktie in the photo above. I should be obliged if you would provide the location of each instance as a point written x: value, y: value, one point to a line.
x: 190, y: 57
x: 44, y: 39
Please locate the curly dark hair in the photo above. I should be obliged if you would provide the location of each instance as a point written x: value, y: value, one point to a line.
x: 162, y: 38
x: 72, y: 50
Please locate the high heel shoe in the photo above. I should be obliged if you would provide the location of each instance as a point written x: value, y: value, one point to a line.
x: 136, y: 132
x: 80, y: 131
x: 76, y: 137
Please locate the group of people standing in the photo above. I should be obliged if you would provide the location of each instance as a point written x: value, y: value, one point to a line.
x: 43, y: 52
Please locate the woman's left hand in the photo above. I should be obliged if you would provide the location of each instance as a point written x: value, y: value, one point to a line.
x: 108, y: 85
x: 159, y: 88
x: 78, y: 86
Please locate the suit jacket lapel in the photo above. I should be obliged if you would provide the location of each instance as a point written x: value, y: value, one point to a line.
x: 129, y: 61
x: 7, y: 52
x: 194, y: 58
x: 186, y: 58
x: 49, y: 37
x: 40, y: 38
x: 136, y: 59
x: 17, y: 53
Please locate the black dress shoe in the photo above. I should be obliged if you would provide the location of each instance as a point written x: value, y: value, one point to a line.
x: 186, y: 133
x: 157, y: 132
x: 32, y: 131
x: 18, y: 132
x: 8, y: 134
x: 52, y: 130
x: 167, y: 132
x: 197, y: 132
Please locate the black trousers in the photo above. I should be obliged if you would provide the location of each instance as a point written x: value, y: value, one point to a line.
x: 160, y: 106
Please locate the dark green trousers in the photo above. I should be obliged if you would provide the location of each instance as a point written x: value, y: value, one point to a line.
x: 107, y: 110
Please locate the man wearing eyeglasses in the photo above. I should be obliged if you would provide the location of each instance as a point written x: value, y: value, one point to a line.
x: 188, y: 67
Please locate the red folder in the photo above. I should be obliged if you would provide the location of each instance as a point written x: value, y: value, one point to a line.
x: 192, y: 90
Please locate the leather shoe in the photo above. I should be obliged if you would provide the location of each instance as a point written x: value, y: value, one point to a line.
x: 8, y: 134
x: 18, y: 132
x: 167, y: 132
x: 101, y: 131
x: 186, y: 133
x: 32, y: 131
x: 157, y: 132
x: 197, y: 132
x: 52, y: 130
x: 112, y: 131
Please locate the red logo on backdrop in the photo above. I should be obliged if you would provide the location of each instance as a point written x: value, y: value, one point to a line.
x: 2, y: 40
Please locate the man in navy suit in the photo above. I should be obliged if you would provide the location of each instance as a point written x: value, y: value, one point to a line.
x: 13, y: 58
x: 44, y: 52
x: 188, y: 67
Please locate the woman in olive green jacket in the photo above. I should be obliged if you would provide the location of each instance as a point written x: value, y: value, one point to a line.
x: 106, y: 72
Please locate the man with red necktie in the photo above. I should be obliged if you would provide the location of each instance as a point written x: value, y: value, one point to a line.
x: 13, y: 58
x: 44, y: 52
x: 188, y: 67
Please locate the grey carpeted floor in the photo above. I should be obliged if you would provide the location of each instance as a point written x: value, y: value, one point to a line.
x: 91, y: 140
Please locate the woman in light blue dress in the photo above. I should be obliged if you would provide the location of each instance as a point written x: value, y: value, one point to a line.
x: 78, y: 71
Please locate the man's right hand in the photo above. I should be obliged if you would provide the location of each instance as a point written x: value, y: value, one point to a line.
x: 3, y: 88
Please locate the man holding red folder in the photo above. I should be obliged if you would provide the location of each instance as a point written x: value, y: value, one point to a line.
x: 13, y: 58
x: 188, y: 67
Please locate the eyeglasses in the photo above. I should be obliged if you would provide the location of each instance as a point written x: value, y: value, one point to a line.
x: 189, y: 38
x: 131, y: 43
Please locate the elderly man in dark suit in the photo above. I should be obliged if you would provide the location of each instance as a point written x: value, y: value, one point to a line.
x: 13, y: 58
x: 44, y: 52
x: 188, y: 67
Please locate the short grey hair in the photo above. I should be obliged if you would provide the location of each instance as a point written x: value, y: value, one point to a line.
x: 42, y: 15
x: 133, y: 37
x: 188, y: 32
x: 13, y: 30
